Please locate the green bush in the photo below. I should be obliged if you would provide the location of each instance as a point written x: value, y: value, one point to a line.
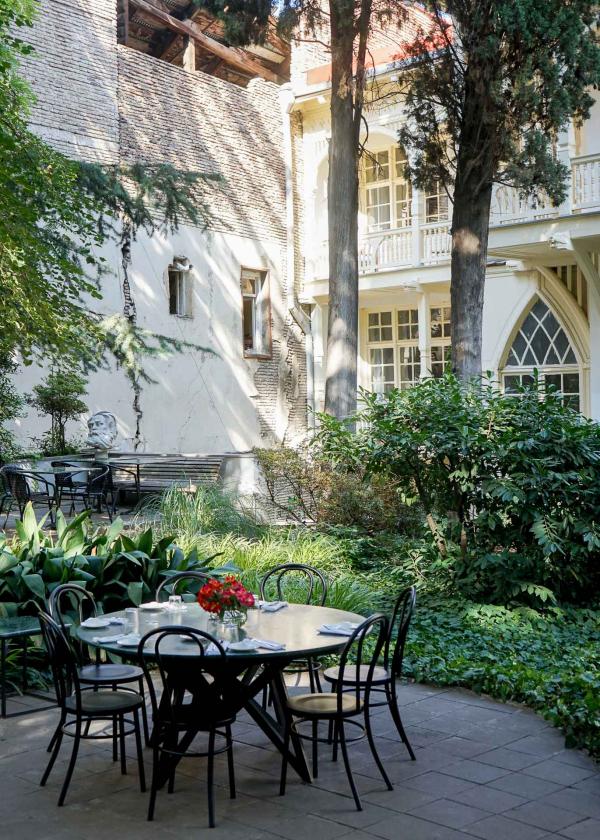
x: 117, y: 569
x: 303, y: 487
x: 510, y: 484
x: 550, y: 662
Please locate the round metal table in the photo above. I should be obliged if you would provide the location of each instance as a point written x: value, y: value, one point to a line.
x: 296, y: 626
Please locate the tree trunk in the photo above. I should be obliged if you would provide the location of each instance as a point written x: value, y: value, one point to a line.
x: 470, y: 228
x: 342, y: 339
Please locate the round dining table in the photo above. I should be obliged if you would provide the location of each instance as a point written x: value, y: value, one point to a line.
x: 296, y: 626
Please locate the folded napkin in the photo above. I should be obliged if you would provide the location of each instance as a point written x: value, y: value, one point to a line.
x: 344, y: 628
x: 116, y: 620
x: 104, y: 640
x: 272, y: 606
x: 244, y: 645
x: 268, y: 645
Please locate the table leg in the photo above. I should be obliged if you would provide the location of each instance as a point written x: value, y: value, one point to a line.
x: 24, y: 682
x: 274, y: 729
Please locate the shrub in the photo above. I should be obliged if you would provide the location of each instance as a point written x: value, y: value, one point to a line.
x: 59, y: 397
x: 550, y: 662
x: 303, y: 487
x: 513, y: 481
x: 117, y: 569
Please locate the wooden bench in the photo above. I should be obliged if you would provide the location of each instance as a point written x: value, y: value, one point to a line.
x: 152, y: 474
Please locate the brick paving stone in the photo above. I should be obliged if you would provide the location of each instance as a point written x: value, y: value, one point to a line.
x: 489, y: 798
x: 407, y: 826
x: 507, y: 759
x: 585, y: 830
x: 559, y: 772
x: 544, y: 816
x: 449, y: 813
x: 527, y: 786
x: 499, y: 827
x: 474, y: 771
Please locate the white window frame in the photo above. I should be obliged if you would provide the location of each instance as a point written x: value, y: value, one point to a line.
x: 399, y: 210
x: 260, y: 313
x: 396, y: 344
x: 439, y: 366
x: 179, y: 274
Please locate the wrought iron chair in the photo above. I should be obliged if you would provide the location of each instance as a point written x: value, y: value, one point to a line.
x: 171, y: 584
x: 193, y: 700
x: 384, y: 678
x: 316, y: 593
x: 94, y: 490
x: 23, y: 486
x: 92, y: 673
x: 87, y: 707
x: 339, y: 707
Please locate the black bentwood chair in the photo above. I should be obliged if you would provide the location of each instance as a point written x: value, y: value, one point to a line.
x: 194, y: 699
x: 384, y: 678
x: 92, y: 488
x: 86, y: 707
x: 91, y: 673
x: 21, y: 486
x: 172, y: 585
x: 310, y: 585
x: 341, y: 706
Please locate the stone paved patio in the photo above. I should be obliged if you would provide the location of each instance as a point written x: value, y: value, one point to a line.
x: 483, y: 770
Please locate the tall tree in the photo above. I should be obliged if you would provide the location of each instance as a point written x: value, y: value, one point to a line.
x: 344, y: 27
x: 489, y: 86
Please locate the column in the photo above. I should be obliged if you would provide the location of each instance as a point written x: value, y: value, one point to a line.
x: 425, y: 335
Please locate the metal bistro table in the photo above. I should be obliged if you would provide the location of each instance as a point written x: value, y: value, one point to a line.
x: 296, y: 626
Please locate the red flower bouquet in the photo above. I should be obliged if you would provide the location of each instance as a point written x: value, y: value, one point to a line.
x: 225, y: 597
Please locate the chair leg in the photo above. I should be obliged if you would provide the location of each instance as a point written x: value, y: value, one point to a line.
x: 140, y: 754
x: 71, y: 767
x: 284, y: 756
x: 55, y: 746
x: 315, y: 662
x: 311, y: 675
x: 115, y: 742
x: 315, y: 748
x: 374, y: 752
x: 342, y: 738
x: 395, y: 712
x: 153, y: 783
x: 144, y: 714
x: 230, y: 764
x: 210, y: 774
x: 122, y: 745
x: 56, y: 733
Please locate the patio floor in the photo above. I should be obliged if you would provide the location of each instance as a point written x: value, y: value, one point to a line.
x: 483, y: 769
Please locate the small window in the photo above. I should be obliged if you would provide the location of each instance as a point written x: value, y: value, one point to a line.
x: 256, y: 318
x: 180, y: 288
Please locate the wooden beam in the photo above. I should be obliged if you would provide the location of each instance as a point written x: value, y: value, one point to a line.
x: 123, y: 22
x: 189, y: 54
x: 231, y: 55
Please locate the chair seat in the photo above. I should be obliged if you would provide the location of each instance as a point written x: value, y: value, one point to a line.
x: 380, y: 675
x: 322, y: 705
x: 110, y: 672
x: 106, y: 702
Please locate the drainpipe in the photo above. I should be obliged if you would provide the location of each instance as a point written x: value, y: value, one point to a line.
x: 286, y: 98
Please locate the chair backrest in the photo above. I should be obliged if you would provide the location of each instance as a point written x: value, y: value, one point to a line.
x: 22, y: 484
x: 375, y: 630
x: 76, y: 596
x: 399, y: 624
x: 99, y: 479
x: 173, y: 584
x: 287, y: 576
x: 62, y: 660
x: 196, y: 688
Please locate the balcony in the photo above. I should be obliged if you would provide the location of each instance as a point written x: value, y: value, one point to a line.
x: 425, y: 243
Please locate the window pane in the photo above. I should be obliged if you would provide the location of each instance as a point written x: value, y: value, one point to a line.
x: 378, y: 208
x: 249, y: 304
x: 571, y: 383
x: 377, y: 167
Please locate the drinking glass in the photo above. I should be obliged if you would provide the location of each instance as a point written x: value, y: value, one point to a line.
x: 175, y: 602
x: 131, y: 620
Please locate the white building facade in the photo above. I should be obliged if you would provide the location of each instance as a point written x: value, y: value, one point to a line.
x: 252, y: 289
x: 542, y: 294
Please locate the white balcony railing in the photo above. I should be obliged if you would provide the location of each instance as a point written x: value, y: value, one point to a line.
x: 430, y: 243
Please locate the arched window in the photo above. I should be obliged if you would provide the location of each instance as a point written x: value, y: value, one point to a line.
x: 541, y: 344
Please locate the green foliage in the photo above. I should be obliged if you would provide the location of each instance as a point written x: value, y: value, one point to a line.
x: 513, y: 74
x: 302, y: 486
x: 509, y: 484
x: 11, y: 407
x: 59, y: 396
x: 550, y: 662
x: 118, y: 569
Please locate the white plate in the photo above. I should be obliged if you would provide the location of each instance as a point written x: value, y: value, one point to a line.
x: 152, y: 606
x: 129, y: 641
x: 95, y: 623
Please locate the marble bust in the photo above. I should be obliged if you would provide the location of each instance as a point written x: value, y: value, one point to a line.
x: 102, y: 431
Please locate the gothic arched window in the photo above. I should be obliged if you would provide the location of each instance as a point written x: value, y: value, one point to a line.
x: 541, y: 344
